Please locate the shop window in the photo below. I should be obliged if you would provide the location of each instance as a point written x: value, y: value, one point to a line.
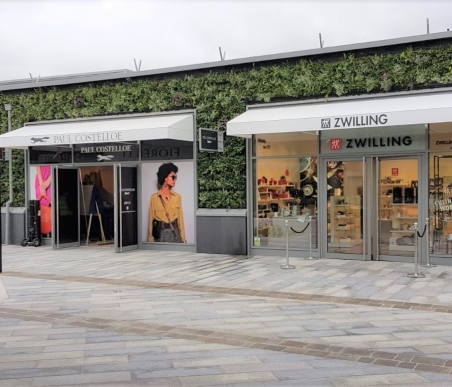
x: 345, y: 206
x: 166, y: 149
x: 440, y: 136
x: 50, y: 155
x: 440, y: 207
x: 285, y: 189
x: 285, y: 144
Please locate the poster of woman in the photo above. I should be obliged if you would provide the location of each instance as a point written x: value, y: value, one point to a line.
x: 166, y: 214
x: 168, y: 188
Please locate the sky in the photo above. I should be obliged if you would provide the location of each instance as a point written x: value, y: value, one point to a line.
x: 59, y: 37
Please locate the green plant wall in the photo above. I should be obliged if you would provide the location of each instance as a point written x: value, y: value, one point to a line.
x: 222, y: 96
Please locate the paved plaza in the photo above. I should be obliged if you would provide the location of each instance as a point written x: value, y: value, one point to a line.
x: 90, y: 317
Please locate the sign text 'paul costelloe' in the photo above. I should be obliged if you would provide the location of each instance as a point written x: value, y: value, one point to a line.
x: 106, y: 148
x: 86, y: 138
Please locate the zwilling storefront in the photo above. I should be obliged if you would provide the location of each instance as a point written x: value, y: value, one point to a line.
x: 365, y: 168
x: 94, y: 177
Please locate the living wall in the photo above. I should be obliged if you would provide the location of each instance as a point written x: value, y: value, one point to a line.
x: 218, y: 97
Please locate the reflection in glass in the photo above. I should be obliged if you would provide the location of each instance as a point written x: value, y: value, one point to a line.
x: 67, y: 206
x: 285, y: 144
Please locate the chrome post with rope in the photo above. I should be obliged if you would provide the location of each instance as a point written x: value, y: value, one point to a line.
x: 416, y: 273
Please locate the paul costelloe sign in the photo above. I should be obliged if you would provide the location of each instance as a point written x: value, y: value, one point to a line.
x: 113, y: 152
x: 354, y: 121
x: 79, y: 138
x: 108, y: 148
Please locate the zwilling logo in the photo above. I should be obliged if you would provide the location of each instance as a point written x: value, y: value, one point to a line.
x: 335, y: 144
x: 354, y: 121
x: 326, y: 123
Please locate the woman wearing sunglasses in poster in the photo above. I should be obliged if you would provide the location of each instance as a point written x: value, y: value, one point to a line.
x: 166, y: 216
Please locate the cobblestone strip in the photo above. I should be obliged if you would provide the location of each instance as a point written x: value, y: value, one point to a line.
x: 369, y: 356
x: 239, y: 291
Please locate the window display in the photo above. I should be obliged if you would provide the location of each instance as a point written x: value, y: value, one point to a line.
x: 398, y: 206
x: 285, y: 190
x: 345, y: 206
x: 440, y: 207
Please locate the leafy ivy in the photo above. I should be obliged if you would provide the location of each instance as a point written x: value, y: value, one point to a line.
x: 220, y: 96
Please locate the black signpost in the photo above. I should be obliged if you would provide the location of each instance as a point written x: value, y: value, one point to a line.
x: 210, y: 140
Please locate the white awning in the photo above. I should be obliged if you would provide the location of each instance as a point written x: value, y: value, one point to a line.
x: 346, y: 114
x: 114, y: 129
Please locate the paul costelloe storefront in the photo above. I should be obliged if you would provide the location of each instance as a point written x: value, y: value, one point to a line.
x: 365, y: 169
x: 94, y: 179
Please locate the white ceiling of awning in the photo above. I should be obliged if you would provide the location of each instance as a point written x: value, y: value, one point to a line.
x: 397, y: 110
x: 117, y: 129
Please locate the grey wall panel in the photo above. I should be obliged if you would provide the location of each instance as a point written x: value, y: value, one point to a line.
x: 17, y: 231
x: 221, y: 235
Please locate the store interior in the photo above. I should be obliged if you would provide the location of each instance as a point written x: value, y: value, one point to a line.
x: 96, y: 205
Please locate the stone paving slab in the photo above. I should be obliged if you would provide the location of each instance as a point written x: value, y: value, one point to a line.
x: 179, y: 319
x: 356, y: 279
x: 408, y: 331
x: 206, y: 367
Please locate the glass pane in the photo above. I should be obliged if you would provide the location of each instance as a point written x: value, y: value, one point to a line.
x: 440, y: 203
x: 345, y: 207
x: 67, y: 206
x: 440, y: 136
x: 285, y: 144
x: 50, y: 155
x: 285, y: 189
x: 398, y: 206
x: 128, y: 197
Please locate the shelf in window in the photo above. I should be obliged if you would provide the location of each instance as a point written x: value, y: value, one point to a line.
x: 276, y: 186
x: 404, y: 204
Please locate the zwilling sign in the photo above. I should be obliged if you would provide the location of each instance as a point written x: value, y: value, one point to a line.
x: 354, y: 121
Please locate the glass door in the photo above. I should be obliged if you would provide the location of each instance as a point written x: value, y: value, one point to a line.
x: 126, y: 216
x: 345, y: 208
x: 66, y: 231
x: 397, y: 206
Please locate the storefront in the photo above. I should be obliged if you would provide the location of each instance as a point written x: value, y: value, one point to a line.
x: 365, y: 168
x: 94, y: 177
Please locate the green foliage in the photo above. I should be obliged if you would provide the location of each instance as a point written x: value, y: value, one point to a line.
x: 219, y: 96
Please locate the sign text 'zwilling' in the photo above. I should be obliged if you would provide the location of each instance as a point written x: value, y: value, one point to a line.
x: 354, y: 121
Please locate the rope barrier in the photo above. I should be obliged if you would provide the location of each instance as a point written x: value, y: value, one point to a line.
x: 302, y: 231
x: 421, y: 236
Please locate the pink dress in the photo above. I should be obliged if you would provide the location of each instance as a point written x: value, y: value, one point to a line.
x: 46, y: 170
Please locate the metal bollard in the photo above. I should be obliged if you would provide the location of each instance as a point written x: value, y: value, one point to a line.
x: 427, y: 256
x: 287, y: 266
x: 310, y: 238
x: 416, y: 273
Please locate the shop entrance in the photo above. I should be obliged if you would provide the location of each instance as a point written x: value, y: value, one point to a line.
x: 372, y: 204
x: 95, y: 206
